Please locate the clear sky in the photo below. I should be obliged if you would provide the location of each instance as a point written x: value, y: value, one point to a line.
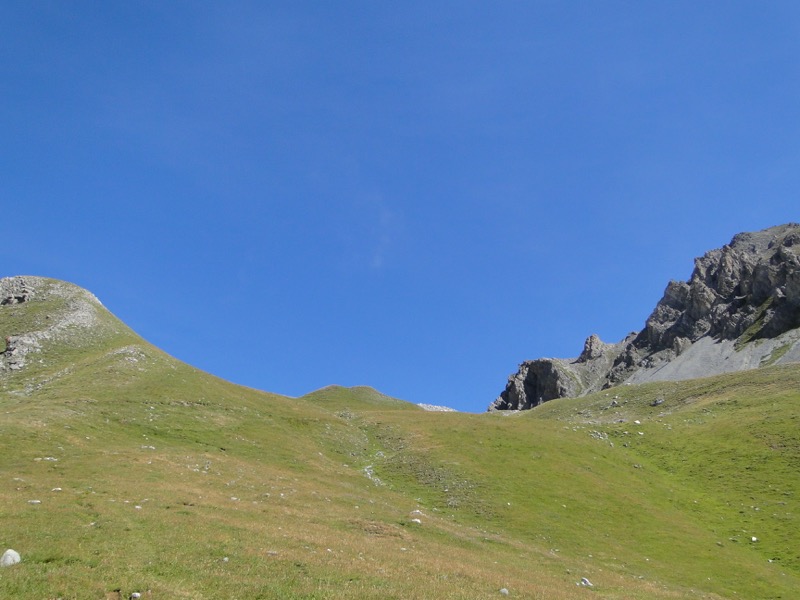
x: 415, y: 196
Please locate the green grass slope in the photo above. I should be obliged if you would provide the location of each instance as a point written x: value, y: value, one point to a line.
x: 124, y: 470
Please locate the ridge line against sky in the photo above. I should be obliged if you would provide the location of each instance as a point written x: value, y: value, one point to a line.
x: 414, y: 197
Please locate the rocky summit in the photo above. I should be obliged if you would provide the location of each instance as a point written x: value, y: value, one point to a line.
x: 739, y: 310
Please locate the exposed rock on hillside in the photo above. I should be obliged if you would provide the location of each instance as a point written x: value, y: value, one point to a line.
x: 740, y: 309
x: 436, y: 408
x: 60, y: 313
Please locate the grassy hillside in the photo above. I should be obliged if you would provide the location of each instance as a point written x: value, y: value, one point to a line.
x: 126, y: 471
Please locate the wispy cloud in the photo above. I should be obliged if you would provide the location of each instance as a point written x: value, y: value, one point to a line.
x: 372, y: 237
x: 384, y: 231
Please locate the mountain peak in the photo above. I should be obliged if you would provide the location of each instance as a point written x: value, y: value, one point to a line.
x: 740, y: 309
x: 41, y: 318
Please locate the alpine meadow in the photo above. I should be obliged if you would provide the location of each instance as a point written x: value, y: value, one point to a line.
x: 130, y: 474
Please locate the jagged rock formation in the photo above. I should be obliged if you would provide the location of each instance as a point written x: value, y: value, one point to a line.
x: 740, y: 309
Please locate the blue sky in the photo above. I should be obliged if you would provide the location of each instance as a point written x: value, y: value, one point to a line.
x: 415, y: 196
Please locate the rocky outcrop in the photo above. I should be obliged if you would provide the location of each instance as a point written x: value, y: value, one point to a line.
x: 593, y: 348
x: 537, y: 381
x: 752, y: 283
x: 64, y: 314
x: 15, y: 290
x: 544, y: 379
x: 740, y: 309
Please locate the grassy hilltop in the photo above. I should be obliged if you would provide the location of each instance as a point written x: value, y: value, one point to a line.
x: 125, y: 470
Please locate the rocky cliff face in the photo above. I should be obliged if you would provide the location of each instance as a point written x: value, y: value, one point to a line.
x: 740, y: 309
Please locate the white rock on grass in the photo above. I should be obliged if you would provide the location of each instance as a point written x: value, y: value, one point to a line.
x: 436, y: 408
x: 10, y: 557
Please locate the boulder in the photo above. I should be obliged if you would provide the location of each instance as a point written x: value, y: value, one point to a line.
x: 10, y: 557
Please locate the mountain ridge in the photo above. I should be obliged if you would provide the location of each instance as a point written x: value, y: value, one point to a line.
x: 740, y: 309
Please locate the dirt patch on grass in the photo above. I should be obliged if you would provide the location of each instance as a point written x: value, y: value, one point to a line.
x: 377, y: 528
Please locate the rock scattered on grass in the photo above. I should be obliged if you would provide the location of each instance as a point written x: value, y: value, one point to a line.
x: 436, y: 408
x: 10, y: 557
x: 504, y: 591
x: 585, y: 582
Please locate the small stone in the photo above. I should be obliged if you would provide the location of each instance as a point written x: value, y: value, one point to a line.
x: 10, y: 557
x: 135, y: 595
x: 417, y: 521
x: 586, y: 582
x: 34, y: 501
x: 504, y: 591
